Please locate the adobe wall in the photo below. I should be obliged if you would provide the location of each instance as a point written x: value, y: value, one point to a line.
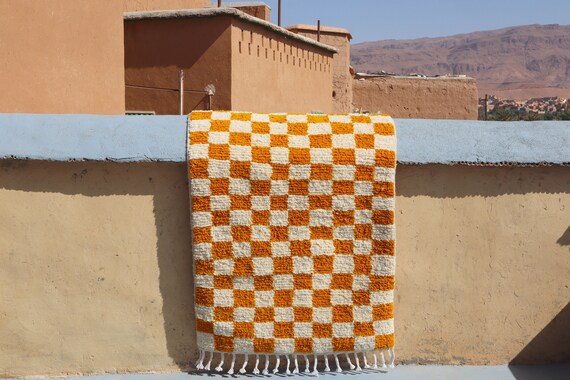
x: 153, y: 5
x: 96, y: 270
x: 273, y: 73
x: 155, y: 51
x: 61, y: 57
x: 417, y: 98
x: 261, y: 11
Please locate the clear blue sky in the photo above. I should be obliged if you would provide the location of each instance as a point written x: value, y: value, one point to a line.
x: 371, y: 20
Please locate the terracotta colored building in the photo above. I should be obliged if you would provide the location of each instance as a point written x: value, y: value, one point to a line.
x: 252, y: 64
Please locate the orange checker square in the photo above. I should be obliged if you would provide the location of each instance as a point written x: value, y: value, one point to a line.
x: 321, y: 172
x: 364, y: 141
x: 363, y: 329
x: 221, y: 218
x: 385, y: 129
x: 343, y: 344
x: 204, y: 326
x: 323, y: 264
x: 297, y: 128
x: 260, y: 218
x: 386, y: 158
x: 321, y: 232
x: 219, y: 151
x: 298, y: 187
x: 317, y: 118
x: 303, y: 281
x: 280, y: 172
x: 240, y: 169
x: 322, y: 298
x: 300, y: 247
x: 361, y: 297
x: 383, y: 217
x: 264, y: 314
x: 278, y: 118
x: 200, y: 203
x: 259, y: 127
x: 199, y: 169
x: 303, y: 314
x: 223, y: 314
x: 381, y: 283
x: 241, y: 233
x: 260, y: 188
x: 204, y: 267
x: 241, y: 116
x: 341, y: 281
x: 360, y: 119
x: 199, y: 137
x: 260, y: 249
x: 342, y: 128
x: 244, y: 298
x: 240, y: 202
x: 222, y: 250
x: 363, y: 202
x: 220, y: 186
x: 279, y: 233
x: 364, y: 173
x: 299, y: 156
x: 384, y: 341
x: 283, y: 265
x: 284, y: 330
x: 202, y: 235
x: 299, y: 217
x: 204, y: 296
x: 344, y: 247
x: 383, y: 189
x: 279, y: 202
x: 343, y: 188
x: 201, y: 115
x: 342, y: 156
x: 304, y: 345
x: 343, y: 218
x: 320, y: 202
x: 240, y: 138
x: 243, y: 266
x: 383, y: 247
x: 220, y: 126
x: 383, y: 312
x: 342, y: 314
x: 264, y: 345
x: 362, y: 264
x: 363, y: 231
x: 244, y: 330
x: 223, y: 343
x: 223, y: 282
x: 283, y: 298
x: 261, y: 154
x: 263, y: 282
x: 320, y: 141
x: 322, y: 330
x: 279, y: 140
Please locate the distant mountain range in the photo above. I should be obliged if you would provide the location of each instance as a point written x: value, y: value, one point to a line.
x: 519, y: 62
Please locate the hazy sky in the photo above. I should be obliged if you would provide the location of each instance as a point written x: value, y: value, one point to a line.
x: 371, y: 20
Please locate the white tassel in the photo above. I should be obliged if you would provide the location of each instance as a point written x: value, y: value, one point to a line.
x: 383, y: 359
x: 242, y: 370
x: 375, y: 366
x: 327, y: 368
x: 296, y: 370
x: 307, y: 365
x: 266, y: 369
x: 349, y: 362
x: 338, y: 369
x: 256, y: 370
x: 288, y: 372
x: 357, y: 362
x: 220, y: 367
x: 365, y: 360
x: 392, y: 357
x: 277, y: 362
x: 315, y: 372
x: 231, y: 370
x: 200, y: 362
x: 207, y: 367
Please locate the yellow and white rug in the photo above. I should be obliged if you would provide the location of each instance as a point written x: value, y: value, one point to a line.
x: 293, y: 239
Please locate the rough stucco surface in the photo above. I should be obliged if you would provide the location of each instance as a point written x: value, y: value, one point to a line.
x: 153, y: 5
x: 61, y: 56
x: 95, y: 266
x: 431, y: 98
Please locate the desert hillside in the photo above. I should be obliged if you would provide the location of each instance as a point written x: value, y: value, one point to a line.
x: 518, y: 62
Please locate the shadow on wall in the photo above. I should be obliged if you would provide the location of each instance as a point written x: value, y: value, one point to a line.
x: 172, y: 220
x: 565, y: 238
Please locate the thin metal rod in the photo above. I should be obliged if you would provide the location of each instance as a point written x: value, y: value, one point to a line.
x: 219, y: 3
x: 181, y: 91
x: 318, y: 30
x: 279, y: 13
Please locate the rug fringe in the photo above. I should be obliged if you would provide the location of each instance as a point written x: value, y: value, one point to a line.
x: 387, y: 358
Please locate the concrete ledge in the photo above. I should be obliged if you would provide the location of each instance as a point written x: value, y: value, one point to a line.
x: 162, y: 138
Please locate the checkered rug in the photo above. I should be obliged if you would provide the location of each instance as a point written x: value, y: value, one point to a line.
x: 293, y: 240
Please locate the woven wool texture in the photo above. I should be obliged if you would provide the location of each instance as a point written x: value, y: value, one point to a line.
x: 293, y: 232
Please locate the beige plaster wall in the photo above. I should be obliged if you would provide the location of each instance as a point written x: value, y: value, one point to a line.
x: 418, y: 98
x: 272, y: 73
x: 261, y: 11
x: 95, y: 266
x: 153, y: 5
x: 61, y: 56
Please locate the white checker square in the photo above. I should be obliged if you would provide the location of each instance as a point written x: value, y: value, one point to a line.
x: 319, y: 129
x: 224, y: 328
x: 384, y: 142
x: 343, y: 141
x: 260, y: 117
x: 360, y: 282
x: 222, y: 138
x: 364, y: 343
x: 242, y: 346
x: 340, y: 118
x: 244, y: 314
x: 241, y: 249
x: 221, y: 115
x: 264, y: 298
x: 365, y: 157
x: 343, y: 264
x: 278, y: 128
x: 299, y: 141
x: 240, y: 218
x: 260, y: 172
x: 341, y: 297
x: 302, y: 264
x: 279, y: 187
x: 303, y: 329
x: 259, y: 139
x: 321, y: 281
x: 303, y: 298
x: 205, y: 312
x: 240, y: 153
x: 202, y: 219
x: 383, y: 265
x: 220, y: 203
x: 200, y: 151
x: 296, y: 118
x: 201, y: 125
x: 201, y: 187
x: 362, y: 313
x: 383, y: 232
x: 298, y: 202
x: 240, y: 126
x: 299, y: 233
x: 381, y: 297
x: 343, y: 330
x: 260, y: 233
x: 284, y: 314
x: 260, y: 203
x: 221, y: 233
x: 263, y: 330
x: 321, y: 156
x: 343, y: 233
x: 319, y: 218
x: 280, y: 248
x: 384, y: 327
x: 244, y: 283
x: 240, y: 186
x: 202, y: 251
x: 223, y: 297
x: 204, y: 281
x: 218, y: 168
x: 364, y: 188
x: 344, y: 172
x: 380, y: 203
x: 262, y: 266
x: 322, y: 247
x: 299, y: 171
x: 363, y: 129
x: 283, y: 282
x: 363, y: 217
x: 284, y: 346
x: 322, y: 315
x: 382, y: 174
x: 279, y: 218
x: 322, y: 346
x: 205, y: 341
x: 320, y: 187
